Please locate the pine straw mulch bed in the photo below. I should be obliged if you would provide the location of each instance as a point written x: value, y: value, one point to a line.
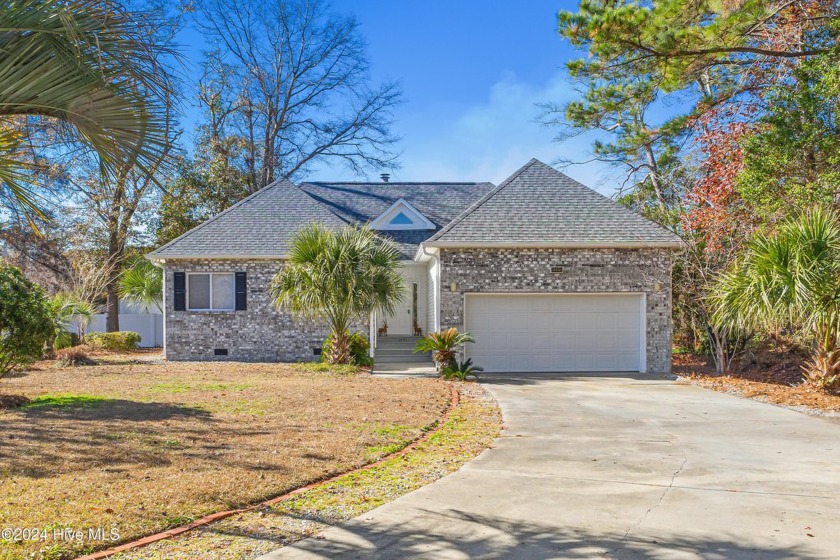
x: 771, y: 379
x: 140, y: 446
x: 469, y: 429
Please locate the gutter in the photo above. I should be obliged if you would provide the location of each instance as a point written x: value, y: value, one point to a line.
x: 163, y: 259
x: 554, y: 245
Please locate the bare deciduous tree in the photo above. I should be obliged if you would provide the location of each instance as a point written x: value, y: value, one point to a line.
x: 114, y: 199
x: 290, y: 80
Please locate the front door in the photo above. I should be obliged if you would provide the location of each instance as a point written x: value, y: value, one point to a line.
x: 402, y: 322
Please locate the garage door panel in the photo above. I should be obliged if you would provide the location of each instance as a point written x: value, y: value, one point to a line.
x: 586, y: 342
x: 607, y: 342
x: 547, y: 342
x: 563, y: 342
x: 607, y: 361
x: 516, y: 321
x: 627, y: 341
x: 605, y: 321
x: 562, y: 332
x: 585, y: 362
x: 543, y: 321
x: 582, y: 321
x: 627, y: 321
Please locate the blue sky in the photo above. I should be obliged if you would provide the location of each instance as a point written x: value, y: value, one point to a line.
x: 471, y: 73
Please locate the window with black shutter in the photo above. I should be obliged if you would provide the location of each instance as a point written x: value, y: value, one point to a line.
x: 241, y: 292
x: 180, y: 285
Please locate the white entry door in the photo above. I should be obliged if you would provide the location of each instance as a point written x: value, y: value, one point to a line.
x: 402, y: 321
x: 556, y: 332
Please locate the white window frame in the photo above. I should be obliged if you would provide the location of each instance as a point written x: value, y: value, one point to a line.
x: 418, y: 220
x: 211, y: 308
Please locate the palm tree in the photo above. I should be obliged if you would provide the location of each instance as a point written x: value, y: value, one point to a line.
x: 142, y: 285
x: 87, y: 66
x: 442, y: 345
x: 339, y: 277
x: 790, y: 279
x: 65, y: 308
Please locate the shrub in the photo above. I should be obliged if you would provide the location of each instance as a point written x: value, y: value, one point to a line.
x: 442, y: 345
x: 122, y: 341
x: 73, y: 357
x: 67, y: 308
x: 25, y: 320
x: 455, y: 371
x: 359, y: 349
x: 65, y: 339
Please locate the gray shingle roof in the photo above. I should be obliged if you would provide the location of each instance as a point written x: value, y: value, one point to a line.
x: 539, y: 205
x: 362, y: 202
x: 260, y: 225
x: 536, y: 205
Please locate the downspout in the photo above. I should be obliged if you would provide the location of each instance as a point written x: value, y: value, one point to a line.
x: 436, y: 297
x: 373, y: 333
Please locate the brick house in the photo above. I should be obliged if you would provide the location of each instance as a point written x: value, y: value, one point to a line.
x: 546, y: 274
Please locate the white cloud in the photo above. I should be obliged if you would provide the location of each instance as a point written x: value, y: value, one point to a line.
x: 491, y: 140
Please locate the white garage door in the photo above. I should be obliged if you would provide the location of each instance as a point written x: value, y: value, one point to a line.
x: 556, y: 332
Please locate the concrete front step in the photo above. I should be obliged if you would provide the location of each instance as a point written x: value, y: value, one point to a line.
x: 398, y: 358
x: 395, y: 349
x: 389, y: 351
x: 396, y: 341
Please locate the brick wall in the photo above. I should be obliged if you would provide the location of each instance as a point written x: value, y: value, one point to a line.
x: 260, y: 333
x: 583, y: 270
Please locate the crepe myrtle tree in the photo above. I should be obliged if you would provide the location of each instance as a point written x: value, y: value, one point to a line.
x: 339, y: 277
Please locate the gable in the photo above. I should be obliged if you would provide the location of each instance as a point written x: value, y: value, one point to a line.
x: 539, y: 206
x: 401, y: 216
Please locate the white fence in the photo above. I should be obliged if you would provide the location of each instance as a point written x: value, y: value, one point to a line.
x: 148, y: 325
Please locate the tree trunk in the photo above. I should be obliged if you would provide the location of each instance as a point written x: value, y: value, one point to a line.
x: 718, y: 344
x: 654, y: 176
x: 112, y: 305
x: 340, y: 349
x: 112, y: 309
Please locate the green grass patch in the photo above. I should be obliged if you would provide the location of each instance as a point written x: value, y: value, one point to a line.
x: 178, y: 520
x: 317, y: 367
x: 66, y: 401
x: 241, y: 406
x: 392, y: 430
x: 224, y: 387
x: 174, y: 388
x: 170, y: 388
x: 377, y: 451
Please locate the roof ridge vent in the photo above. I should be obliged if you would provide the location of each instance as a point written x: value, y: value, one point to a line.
x: 385, y: 177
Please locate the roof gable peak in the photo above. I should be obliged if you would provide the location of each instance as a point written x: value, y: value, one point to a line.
x: 401, y: 216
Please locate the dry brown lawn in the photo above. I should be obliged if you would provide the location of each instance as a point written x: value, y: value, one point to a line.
x: 143, y: 446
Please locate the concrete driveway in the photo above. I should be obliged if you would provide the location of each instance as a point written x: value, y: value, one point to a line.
x: 618, y: 467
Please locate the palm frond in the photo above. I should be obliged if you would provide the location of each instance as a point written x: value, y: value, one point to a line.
x: 87, y: 65
x: 142, y: 285
x: 788, y: 279
x: 339, y: 276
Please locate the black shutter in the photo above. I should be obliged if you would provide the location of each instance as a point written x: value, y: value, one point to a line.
x: 241, y: 292
x: 180, y: 284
